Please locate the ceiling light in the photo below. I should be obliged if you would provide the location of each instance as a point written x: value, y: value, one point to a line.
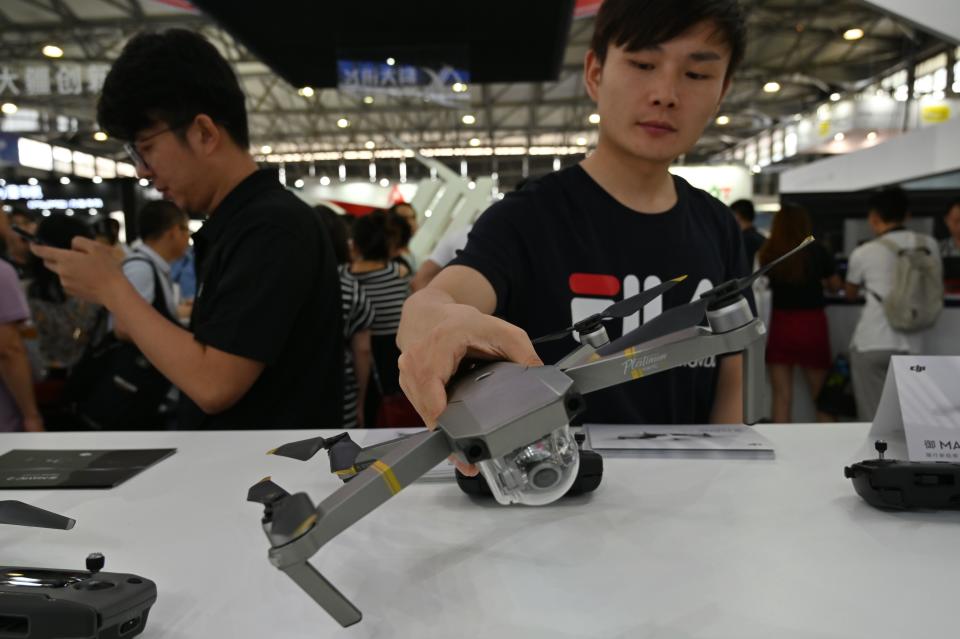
x: 471, y: 185
x: 306, y: 92
x: 853, y: 34
x: 100, y: 136
x: 872, y: 136
x: 266, y: 148
x: 755, y: 169
x: 384, y: 182
x: 325, y: 181
x: 368, y: 99
x: 370, y: 144
x: 594, y: 118
x: 427, y: 213
x: 144, y: 182
x: 32, y: 181
x: 723, y: 120
x: 46, y: 213
x: 9, y: 108
x: 459, y: 87
x: 581, y: 141
x: 771, y: 87
x: 64, y: 180
x: 834, y: 97
x: 468, y: 119
x: 97, y: 179
x: 343, y: 123
x: 69, y: 212
x: 299, y: 183
x: 474, y: 141
x: 52, y: 51
x: 391, y: 62
x: 839, y: 137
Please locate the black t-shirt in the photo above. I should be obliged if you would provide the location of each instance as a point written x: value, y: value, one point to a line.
x: 808, y: 293
x: 563, y: 248
x: 268, y: 290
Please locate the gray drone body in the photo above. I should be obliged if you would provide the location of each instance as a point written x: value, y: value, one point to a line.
x: 497, y: 408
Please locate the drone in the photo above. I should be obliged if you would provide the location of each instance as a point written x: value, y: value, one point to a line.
x: 510, y: 420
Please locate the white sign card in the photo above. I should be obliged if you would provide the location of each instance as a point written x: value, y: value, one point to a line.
x: 921, y: 402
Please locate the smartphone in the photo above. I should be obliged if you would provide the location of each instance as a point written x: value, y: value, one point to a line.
x: 27, y: 235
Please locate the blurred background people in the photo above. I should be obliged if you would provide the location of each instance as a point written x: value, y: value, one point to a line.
x: 753, y: 239
x: 18, y: 406
x: 447, y: 248
x: 386, y: 283
x: 799, y: 336
x: 871, y: 271
x: 358, y: 317
x: 950, y: 246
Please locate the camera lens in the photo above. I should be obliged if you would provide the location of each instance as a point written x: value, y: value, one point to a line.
x: 545, y: 476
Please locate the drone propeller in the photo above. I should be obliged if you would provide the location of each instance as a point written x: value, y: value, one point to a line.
x: 292, y: 517
x: 343, y: 452
x: 688, y: 315
x: 618, y: 310
x: 302, y: 450
x: 266, y: 492
x: 18, y: 513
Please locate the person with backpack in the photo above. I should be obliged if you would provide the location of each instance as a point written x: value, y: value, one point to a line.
x: 900, y: 276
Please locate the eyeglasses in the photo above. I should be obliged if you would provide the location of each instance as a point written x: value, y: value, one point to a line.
x: 131, y: 147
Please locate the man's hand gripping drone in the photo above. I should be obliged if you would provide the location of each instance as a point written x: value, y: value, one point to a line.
x: 512, y: 421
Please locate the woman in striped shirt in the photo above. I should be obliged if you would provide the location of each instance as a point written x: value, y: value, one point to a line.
x: 386, y: 283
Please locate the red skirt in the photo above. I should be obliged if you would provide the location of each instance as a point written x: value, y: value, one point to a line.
x: 799, y: 338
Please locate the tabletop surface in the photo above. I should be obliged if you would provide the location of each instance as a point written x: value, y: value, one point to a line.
x: 671, y: 548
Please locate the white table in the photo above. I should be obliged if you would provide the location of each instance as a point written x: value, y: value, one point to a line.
x: 665, y: 548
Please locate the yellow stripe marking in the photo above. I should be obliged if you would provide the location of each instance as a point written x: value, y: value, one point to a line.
x: 630, y: 352
x: 347, y: 472
x: 636, y: 374
x: 387, y: 473
x: 305, y: 526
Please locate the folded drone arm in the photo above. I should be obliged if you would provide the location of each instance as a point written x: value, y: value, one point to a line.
x: 404, y: 463
x: 677, y: 349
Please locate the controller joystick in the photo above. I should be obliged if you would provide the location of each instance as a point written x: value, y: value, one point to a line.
x: 95, y: 562
x: 881, y: 447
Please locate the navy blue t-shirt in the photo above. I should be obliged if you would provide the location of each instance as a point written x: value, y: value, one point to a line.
x: 563, y: 248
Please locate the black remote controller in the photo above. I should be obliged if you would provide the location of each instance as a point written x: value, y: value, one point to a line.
x: 42, y: 603
x: 903, y: 485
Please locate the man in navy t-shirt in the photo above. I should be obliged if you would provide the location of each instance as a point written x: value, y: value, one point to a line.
x: 574, y: 241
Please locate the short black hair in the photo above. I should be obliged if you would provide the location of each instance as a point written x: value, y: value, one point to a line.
x: 891, y: 204
x: 398, y: 229
x: 159, y: 216
x: 108, y: 228
x: 638, y: 24
x: 370, y: 237
x: 171, y: 77
x: 744, y: 208
x: 953, y: 205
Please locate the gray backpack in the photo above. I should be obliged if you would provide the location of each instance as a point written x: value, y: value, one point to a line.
x: 916, y: 299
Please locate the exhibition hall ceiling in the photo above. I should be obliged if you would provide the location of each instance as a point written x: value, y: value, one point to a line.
x: 798, y: 44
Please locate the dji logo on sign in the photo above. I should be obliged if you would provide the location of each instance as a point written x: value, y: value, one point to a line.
x: 603, y: 290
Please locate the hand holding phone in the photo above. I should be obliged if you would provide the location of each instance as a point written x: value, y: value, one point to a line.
x: 28, y: 236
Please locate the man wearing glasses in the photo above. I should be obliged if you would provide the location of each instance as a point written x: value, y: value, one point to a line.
x: 265, y: 347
